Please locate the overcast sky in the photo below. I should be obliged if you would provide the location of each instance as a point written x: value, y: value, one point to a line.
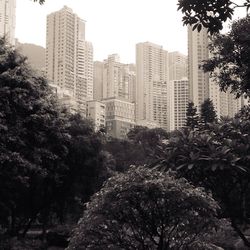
x: 113, y: 26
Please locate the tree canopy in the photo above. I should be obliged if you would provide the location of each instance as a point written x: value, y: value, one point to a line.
x: 210, y: 14
x: 146, y: 209
x: 192, y: 116
x: 230, y: 58
x: 216, y: 158
x: 49, y: 159
x: 40, y: 1
x: 207, y: 113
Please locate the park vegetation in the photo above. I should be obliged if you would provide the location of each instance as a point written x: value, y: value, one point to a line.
x: 152, y: 190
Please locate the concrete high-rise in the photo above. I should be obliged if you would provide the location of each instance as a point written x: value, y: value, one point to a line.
x: 98, y: 80
x: 69, y: 57
x: 197, y: 53
x: 179, y: 98
x: 8, y: 20
x: 157, y: 99
x: 152, y: 75
x: 225, y: 103
x: 118, y: 78
x: 114, y: 79
x: 96, y: 112
x: 177, y: 66
x: 120, y: 116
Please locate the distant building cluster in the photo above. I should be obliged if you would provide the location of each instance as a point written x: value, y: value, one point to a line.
x: 153, y: 92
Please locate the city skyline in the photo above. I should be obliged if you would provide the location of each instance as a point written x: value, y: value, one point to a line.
x: 114, y: 26
x: 70, y: 66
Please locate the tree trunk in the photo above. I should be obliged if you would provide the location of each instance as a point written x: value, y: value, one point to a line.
x: 238, y: 231
x: 27, y: 227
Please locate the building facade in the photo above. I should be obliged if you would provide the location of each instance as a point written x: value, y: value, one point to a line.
x: 114, y: 79
x: 179, y: 98
x: 178, y: 66
x: 120, y: 117
x: 225, y: 103
x: 197, y: 53
x: 96, y: 112
x: 152, y: 74
x: 98, y: 80
x: 8, y: 20
x: 69, y: 57
x: 200, y: 85
x: 157, y: 99
x: 65, y: 98
x: 118, y: 79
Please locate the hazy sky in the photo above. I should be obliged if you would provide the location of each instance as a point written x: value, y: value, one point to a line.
x: 113, y: 26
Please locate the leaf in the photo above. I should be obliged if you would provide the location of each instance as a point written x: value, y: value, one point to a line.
x: 199, y: 27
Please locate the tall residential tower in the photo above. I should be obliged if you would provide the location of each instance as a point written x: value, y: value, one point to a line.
x: 69, y: 57
x: 197, y: 53
x: 177, y: 66
x: 151, y: 84
x: 8, y: 20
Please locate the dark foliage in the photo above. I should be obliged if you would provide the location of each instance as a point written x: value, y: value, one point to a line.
x: 40, y: 1
x: 210, y: 14
x: 218, y: 159
x: 146, y: 209
x: 230, y: 61
x: 192, y: 116
x: 50, y: 160
x: 207, y: 113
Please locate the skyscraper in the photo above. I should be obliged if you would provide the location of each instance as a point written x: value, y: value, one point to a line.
x: 118, y: 78
x: 69, y: 57
x: 151, y: 75
x: 8, y: 20
x: 158, y: 104
x: 114, y: 79
x: 225, y: 103
x: 98, y: 80
x: 177, y: 66
x: 179, y: 98
x: 201, y: 86
x: 197, y: 53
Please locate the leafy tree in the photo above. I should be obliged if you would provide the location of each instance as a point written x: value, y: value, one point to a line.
x: 210, y: 14
x: 149, y: 139
x: 125, y: 153
x: 134, y: 133
x: 146, y: 209
x: 29, y: 119
x: 217, y: 159
x: 192, y: 116
x: 40, y: 1
x: 230, y: 61
x: 208, y: 114
x: 48, y: 158
x: 86, y: 169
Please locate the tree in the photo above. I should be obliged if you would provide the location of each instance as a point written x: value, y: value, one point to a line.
x: 149, y: 139
x: 218, y: 160
x: 230, y: 58
x: 145, y: 209
x: 40, y: 1
x: 48, y: 158
x: 125, y: 153
x: 29, y: 119
x: 208, y: 114
x: 192, y: 116
x: 210, y: 14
